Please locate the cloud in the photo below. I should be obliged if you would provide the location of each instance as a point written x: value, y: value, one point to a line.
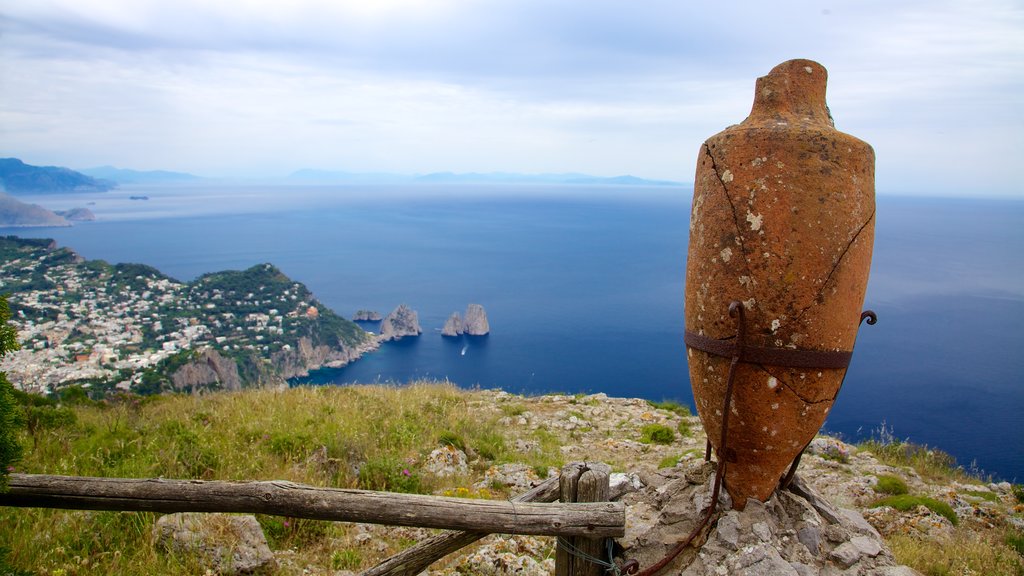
x: 599, y: 86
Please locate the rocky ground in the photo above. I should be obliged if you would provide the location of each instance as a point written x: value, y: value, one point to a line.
x: 824, y: 525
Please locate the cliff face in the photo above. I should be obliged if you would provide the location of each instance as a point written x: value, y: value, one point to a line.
x: 476, y: 321
x: 208, y: 370
x: 306, y: 356
x: 401, y: 322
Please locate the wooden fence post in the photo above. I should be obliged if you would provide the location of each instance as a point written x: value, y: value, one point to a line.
x: 582, y: 482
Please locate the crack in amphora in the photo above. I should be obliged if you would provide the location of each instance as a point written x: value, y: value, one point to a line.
x: 796, y: 393
x: 732, y: 208
x: 828, y: 278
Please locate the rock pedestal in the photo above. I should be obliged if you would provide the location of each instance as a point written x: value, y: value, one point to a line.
x: 453, y: 326
x: 782, y: 221
x: 476, y: 321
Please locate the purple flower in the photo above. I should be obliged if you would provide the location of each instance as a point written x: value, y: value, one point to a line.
x: 405, y: 472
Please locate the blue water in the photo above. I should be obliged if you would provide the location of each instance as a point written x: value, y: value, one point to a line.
x: 583, y: 287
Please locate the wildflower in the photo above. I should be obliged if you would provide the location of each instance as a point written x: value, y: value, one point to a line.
x: 405, y: 472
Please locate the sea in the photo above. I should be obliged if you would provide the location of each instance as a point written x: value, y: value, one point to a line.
x: 583, y: 287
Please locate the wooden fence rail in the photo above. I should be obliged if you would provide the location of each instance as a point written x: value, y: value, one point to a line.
x: 595, y: 519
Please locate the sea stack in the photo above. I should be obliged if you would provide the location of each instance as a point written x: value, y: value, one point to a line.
x: 453, y: 326
x: 782, y: 223
x: 476, y: 323
x: 363, y: 315
x: 401, y: 322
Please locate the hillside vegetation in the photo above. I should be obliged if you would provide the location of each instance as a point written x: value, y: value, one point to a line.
x: 386, y: 438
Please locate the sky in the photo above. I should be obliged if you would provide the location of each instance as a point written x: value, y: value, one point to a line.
x: 261, y: 88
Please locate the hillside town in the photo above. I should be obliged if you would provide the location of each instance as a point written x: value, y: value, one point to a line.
x: 127, y: 326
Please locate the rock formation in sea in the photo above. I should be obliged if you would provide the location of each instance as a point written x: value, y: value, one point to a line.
x: 363, y: 315
x: 453, y: 326
x: 401, y: 322
x: 15, y: 213
x: 476, y: 323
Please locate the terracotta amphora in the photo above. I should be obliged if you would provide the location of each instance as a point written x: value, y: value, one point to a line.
x: 783, y: 223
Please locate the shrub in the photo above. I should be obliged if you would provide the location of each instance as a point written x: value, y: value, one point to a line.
x: 390, y: 474
x: 657, y: 434
x: 1015, y: 540
x: 282, y: 532
x: 1018, y: 492
x: 10, y: 417
x: 905, y: 502
x: 292, y: 446
x: 684, y: 428
x: 892, y: 485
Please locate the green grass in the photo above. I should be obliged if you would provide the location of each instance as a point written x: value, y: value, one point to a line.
x: 963, y: 552
x: 669, y: 461
x: 983, y: 495
x: 374, y: 437
x: 892, y: 485
x: 1015, y: 540
x: 905, y: 502
x: 671, y: 406
x: 929, y: 463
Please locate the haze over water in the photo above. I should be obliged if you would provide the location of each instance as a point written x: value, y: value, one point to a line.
x: 584, y: 290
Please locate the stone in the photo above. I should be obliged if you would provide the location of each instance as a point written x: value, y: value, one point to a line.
x: 765, y: 192
x: 803, y: 569
x: 727, y: 532
x: 762, y: 560
x: 853, y: 520
x: 446, y: 461
x: 224, y: 543
x: 401, y: 322
x: 762, y: 531
x: 453, y: 326
x: 894, y: 571
x: 785, y: 535
x: 476, y: 323
x: 846, y: 555
x: 866, y: 546
x: 810, y: 536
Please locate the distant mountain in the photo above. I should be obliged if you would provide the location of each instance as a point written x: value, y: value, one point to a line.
x: 16, y: 177
x: 329, y: 177
x: 16, y: 214
x: 569, y: 178
x: 127, y: 176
